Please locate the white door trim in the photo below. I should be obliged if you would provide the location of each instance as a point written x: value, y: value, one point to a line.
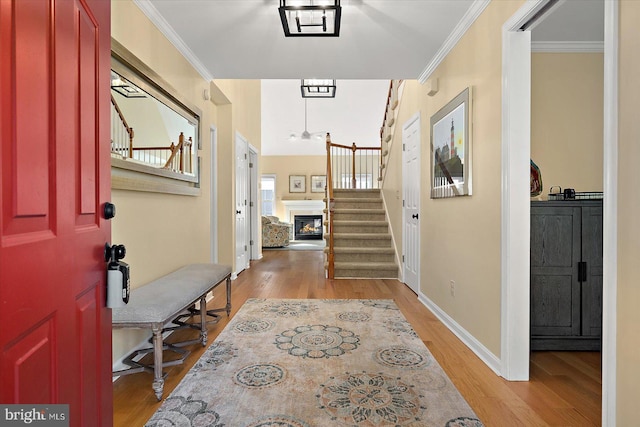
x: 516, y: 213
x: 610, y: 214
x: 254, y: 203
x: 213, y: 138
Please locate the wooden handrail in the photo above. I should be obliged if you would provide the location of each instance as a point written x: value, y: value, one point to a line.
x: 386, y: 109
x: 176, y: 161
x: 150, y: 148
x: 329, y: 205
x: 354, y: 150
x: 176, y: 149
x: 330, y: 201
x: 350, y: 147
x: 126, y: 125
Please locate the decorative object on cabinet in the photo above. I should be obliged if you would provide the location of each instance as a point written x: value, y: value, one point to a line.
x: 571, y: 194
x: 451, y: 148
x: 535, y: 183
x: 566, y: 275
x: 297, y: 184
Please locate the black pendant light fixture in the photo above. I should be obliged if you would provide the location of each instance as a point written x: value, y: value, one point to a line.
x: 125, y: 88
x: 310, y: 18
x: 318, y: 88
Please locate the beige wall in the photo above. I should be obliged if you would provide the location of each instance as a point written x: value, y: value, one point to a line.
x: 392, y: 174
x: 162, y: 232
x: 566, y: 119
x: 283, y: 166
x: 460, y: 237
x: 240, y: 115
x: 628, y: 314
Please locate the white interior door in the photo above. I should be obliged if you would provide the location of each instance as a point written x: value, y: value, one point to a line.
x: 411, y: 202
x: 256, y: 224
x: 241, y: 205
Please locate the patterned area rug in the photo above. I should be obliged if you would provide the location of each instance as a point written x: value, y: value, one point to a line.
x: 304, y: 363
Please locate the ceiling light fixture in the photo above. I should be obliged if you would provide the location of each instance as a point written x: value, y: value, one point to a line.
x: 125, y: 88
x: 315, y: 88
x: 310, y: 18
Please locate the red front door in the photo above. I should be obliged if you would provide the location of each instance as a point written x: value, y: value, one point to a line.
x: 55, y: 332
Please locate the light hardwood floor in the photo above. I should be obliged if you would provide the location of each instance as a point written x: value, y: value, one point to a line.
x: 564, y: 390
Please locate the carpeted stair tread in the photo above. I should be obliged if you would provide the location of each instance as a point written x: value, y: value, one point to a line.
x: 356, y: 190
x: 364, y: 265
x: 341, y: 193
x: 355, y: 222
x: 362, y: 236
x: 358, y: 200
x: 356, y: 250
x: 357, y: 211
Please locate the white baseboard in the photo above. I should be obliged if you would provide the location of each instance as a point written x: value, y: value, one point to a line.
x: 490, y: 359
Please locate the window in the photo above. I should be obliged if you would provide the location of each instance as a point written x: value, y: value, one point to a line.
x: 268, y: 194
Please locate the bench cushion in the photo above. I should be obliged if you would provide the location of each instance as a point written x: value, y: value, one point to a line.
x: 162, y: 299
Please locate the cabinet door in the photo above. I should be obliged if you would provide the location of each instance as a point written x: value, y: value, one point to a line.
x: 555, y: 253
x: 592, y: 286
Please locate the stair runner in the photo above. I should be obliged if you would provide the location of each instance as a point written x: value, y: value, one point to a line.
x: 362, y: 242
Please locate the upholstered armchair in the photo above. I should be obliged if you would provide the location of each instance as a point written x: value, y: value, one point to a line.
x: 274, y: 233
x: 276, y: 220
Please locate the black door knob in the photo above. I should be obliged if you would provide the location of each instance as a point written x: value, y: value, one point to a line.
x: 114, y: 253
x: 238, y: 212
x: 414, y: 216
x: 109, y: 210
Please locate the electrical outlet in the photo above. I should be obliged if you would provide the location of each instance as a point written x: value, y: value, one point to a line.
x: 452, y: 285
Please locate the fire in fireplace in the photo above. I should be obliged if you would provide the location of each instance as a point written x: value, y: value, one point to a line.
x: 307, y: 227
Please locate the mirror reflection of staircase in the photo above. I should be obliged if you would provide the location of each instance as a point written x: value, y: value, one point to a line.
x: 363, y: 246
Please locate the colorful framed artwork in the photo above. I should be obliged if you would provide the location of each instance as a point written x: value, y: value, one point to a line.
x: 451, y: 148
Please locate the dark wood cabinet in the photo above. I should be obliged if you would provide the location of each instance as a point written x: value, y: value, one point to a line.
x: 566, y: 275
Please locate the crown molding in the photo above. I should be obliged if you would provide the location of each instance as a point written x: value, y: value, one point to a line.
x: 465, y: 23
x: 567, y: 47
x: 158, y: 20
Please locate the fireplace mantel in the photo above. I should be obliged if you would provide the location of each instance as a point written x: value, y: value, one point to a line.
x: 313, y: 207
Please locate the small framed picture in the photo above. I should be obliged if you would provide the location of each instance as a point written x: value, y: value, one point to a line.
x: 297, y: 184
x: 318, y: 183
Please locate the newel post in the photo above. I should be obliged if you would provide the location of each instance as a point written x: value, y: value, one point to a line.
x: 353, y: 165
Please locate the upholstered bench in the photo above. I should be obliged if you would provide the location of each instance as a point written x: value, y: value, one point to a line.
x: 170, y: 298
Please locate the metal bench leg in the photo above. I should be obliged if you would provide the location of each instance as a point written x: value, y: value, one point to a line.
x: 203, y: 319
x: 158, y: 380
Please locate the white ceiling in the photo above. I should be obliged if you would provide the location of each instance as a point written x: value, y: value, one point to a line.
x: 572, y: 21
x: 243, y: 39
x: 354, y: 115
x: 379, y: 40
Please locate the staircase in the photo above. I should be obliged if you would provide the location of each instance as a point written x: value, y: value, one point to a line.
x: 361, y: 238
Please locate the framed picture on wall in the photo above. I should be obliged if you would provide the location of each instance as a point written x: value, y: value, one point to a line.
x: 451, y: 148
x: 297, y: 184
x: 318, y: 183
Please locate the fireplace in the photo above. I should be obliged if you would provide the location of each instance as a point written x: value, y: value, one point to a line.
x: 307, y: 227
